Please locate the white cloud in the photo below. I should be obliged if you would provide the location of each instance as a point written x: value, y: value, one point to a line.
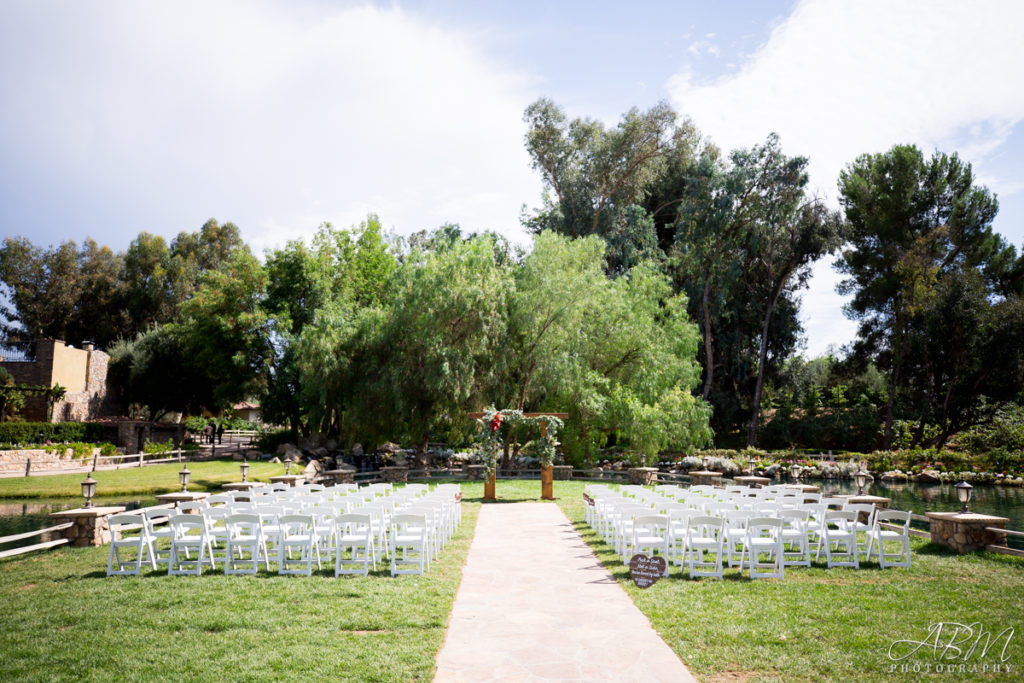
x: 276, y: 116
x: 838, y: 79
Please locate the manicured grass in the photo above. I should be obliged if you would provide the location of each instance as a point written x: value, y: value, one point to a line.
x: 823, y: 624
x: 207, y: 475
x: 64, y: 619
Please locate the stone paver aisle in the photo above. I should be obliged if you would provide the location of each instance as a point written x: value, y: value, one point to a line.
x: 535, y: 604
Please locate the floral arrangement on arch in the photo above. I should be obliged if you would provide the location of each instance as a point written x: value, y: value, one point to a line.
x: 494, y: 426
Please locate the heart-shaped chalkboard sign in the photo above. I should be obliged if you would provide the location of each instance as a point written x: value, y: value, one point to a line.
x: 645, y: 571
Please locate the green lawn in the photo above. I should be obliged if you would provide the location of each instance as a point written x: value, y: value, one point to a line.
x: 823, y: 624
x: 64, y: 619
x: 208, y: 475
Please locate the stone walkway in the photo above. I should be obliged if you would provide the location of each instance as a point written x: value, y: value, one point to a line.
x: 535, y: 604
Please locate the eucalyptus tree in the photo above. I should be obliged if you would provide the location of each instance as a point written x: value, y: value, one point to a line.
x: 789, y: 232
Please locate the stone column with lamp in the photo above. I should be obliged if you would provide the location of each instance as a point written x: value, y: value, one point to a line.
x: 184, y: 495
x: 966, y: 531
x: 89, y: 522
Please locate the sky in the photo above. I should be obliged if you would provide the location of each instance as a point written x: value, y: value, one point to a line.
x: 118, y: 117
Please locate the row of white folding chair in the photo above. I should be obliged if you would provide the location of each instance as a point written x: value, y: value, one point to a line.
x: 795, y: 535
x: 213, y: 535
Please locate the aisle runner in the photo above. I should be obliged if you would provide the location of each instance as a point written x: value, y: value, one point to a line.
x: 535, y: 604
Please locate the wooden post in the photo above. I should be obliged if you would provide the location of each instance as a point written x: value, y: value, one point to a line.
x: 546, y: 474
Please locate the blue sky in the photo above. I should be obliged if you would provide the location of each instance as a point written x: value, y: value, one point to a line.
x: 122, y: 116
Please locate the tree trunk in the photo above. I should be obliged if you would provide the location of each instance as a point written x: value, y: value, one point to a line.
x: 421, y: 453
x: 894, y: 383
x: 762, y: 362
x: 709, y: 358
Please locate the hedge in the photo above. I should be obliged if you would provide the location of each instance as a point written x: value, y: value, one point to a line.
x: 57, y: 432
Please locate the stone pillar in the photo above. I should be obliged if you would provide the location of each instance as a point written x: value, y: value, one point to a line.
x: 643, y: 475
x: 343, y: 474
x: 243, y: 485
x: 965, y: 533
x: 705, y: 477
x: 395, y: 473
x: 90, y: 525
x: 879, y: 502
x: 182, y: 497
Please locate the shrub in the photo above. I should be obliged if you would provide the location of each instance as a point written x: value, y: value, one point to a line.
x: 270, y: 440
x: 155, y: 447
x: 40, y: 432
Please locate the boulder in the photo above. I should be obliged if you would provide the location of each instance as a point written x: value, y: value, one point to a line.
x: 928, y: 477
x: 313, y: 470
x: 895, y: 476
x: 321, y: 452
x: 357, y: 450
x: 390, y: 448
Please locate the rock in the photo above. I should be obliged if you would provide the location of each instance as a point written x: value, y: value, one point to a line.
x: 282, y: 449
x: 313, y: 470
x: 357, y: 450
x: 390, y: 448
x: 275, y: 461
x: 321, y: 452
x: 928, y: 477
x: 895, y: 476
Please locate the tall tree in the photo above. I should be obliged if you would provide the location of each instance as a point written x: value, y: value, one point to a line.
x: 912, y: 223
x: 791, y: 232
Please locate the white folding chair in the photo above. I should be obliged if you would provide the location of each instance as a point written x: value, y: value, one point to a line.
x: 156, y: 520
x: 353, y: 535
x: 190, y: 533
x: 764, y: 540
x: 650, y: 536
x: 704, y: 538
x: 408, y: 544
x: 796, y: 538
x: 246, y: 544
x: 880, y: 533
x: 297, y: 535
x: 839, y: 537
x: 129, y: 552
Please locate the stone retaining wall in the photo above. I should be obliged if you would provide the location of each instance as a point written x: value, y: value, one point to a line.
x: 14, y: 461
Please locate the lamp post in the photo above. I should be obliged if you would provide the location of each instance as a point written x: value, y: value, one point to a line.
x: 88, y: 490
x: 245, y: 470
x: 794, y: 471
x: 184, y: 475
x: 288, y: 465
x: 963, y: 494
x: 704, y: 463
x: 861, y: 477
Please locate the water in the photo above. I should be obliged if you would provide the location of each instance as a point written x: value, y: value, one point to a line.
x: 1001, y: 501
x: 19, y: 516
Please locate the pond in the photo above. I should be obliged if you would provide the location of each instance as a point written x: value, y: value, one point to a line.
x: 20, y: 515
x: 1002, y: 501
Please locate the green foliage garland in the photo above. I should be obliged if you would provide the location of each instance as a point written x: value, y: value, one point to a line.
x: 495, y: 425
